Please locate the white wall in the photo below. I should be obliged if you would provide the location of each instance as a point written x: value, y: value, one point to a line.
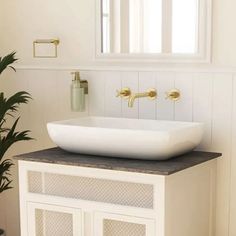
x: 74, y: 21
x: 207, y: 96
x: 224, y: 34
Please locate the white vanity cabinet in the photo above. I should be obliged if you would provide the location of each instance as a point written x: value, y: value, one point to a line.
x: 107, y: 224
x: 66, y: 200
x: 45, y: 219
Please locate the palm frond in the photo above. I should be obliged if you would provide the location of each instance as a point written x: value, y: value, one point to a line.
x: 12, y: 137
x: 11, y: 105
x: 3, y: 130
x: 5, y: 185
x: 5, y: 182
x: 7, y: 61
x: 9, y: 136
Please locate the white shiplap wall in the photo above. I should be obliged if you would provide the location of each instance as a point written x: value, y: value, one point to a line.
x: 207, y: 97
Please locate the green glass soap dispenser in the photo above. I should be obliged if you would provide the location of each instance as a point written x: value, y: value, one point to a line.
x: 79, y: 88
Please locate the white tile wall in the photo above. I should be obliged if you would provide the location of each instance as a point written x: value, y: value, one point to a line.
x: 206, y: 97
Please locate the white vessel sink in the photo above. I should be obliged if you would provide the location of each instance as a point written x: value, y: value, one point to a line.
x: 126, y: 138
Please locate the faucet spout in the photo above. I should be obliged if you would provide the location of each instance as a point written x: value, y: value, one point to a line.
x: 134, y: 97
x: 151, y: 94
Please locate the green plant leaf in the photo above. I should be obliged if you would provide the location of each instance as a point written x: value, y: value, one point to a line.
x: 12, y: 137
x: 7, y: 61
x: 9, y: 136
x: 5, y: 182
x: 11, y: 105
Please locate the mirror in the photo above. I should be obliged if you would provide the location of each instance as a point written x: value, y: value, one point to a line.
x: 158, y: 27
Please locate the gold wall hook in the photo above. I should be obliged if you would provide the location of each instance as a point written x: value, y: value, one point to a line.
x: 173, y: 95
x: 124, y: 93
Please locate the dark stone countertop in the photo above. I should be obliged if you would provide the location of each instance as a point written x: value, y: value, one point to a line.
x: 168, y: 167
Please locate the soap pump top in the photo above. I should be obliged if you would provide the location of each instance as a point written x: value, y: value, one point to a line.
x: 78, y: 90
x: 80, y: 83
x: 76, y: 76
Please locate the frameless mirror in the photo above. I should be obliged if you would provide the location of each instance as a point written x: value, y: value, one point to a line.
x: 160, y: 27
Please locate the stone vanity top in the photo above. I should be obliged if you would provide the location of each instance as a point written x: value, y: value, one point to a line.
x: 168, y: 167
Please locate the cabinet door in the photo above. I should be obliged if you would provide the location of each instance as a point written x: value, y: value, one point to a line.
x: 106, y: 224
x: 50, y: 220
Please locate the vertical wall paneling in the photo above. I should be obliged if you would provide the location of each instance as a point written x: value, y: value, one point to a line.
x: 59, y: 102
x: 39, y: 89
x: 85, y: 75
x: 221, y: 142
x: 183, y: 107
x: 147, y: 107
x: 49, y: 103
x: 112, y: 103
x: 130, y: 79
x: 165, y: 108
x: 206, y: 97
x: 14, y: 85
x: 96, y: 96
x: 232, y: 226
x: 202, y: 105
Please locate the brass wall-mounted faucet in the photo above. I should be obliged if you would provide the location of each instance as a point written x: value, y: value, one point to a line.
x: 151, y: 94
x: 127, y: 94
x: 173, y: 95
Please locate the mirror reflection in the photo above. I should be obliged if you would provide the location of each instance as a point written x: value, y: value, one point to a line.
x: 149, y: 26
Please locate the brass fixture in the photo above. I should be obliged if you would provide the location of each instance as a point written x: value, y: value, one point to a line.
x: 124, y: 93
x: 151, y: 94
x: 82, y: 83
x: 55, y: 42
x: 173, y: 95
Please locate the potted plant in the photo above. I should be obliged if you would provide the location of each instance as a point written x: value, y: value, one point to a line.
x: 9, y: 135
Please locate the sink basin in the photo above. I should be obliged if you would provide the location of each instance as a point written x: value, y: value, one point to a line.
x: 126, y: 138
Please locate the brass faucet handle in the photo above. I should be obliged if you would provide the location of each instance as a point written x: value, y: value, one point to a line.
x: 124, y: 93
x: 152, y: 94
x: 173, y: 95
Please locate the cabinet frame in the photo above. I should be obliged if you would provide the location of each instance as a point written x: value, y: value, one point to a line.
x: 100, y: 216
x: 76, y: 214
x: 165, y: 188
